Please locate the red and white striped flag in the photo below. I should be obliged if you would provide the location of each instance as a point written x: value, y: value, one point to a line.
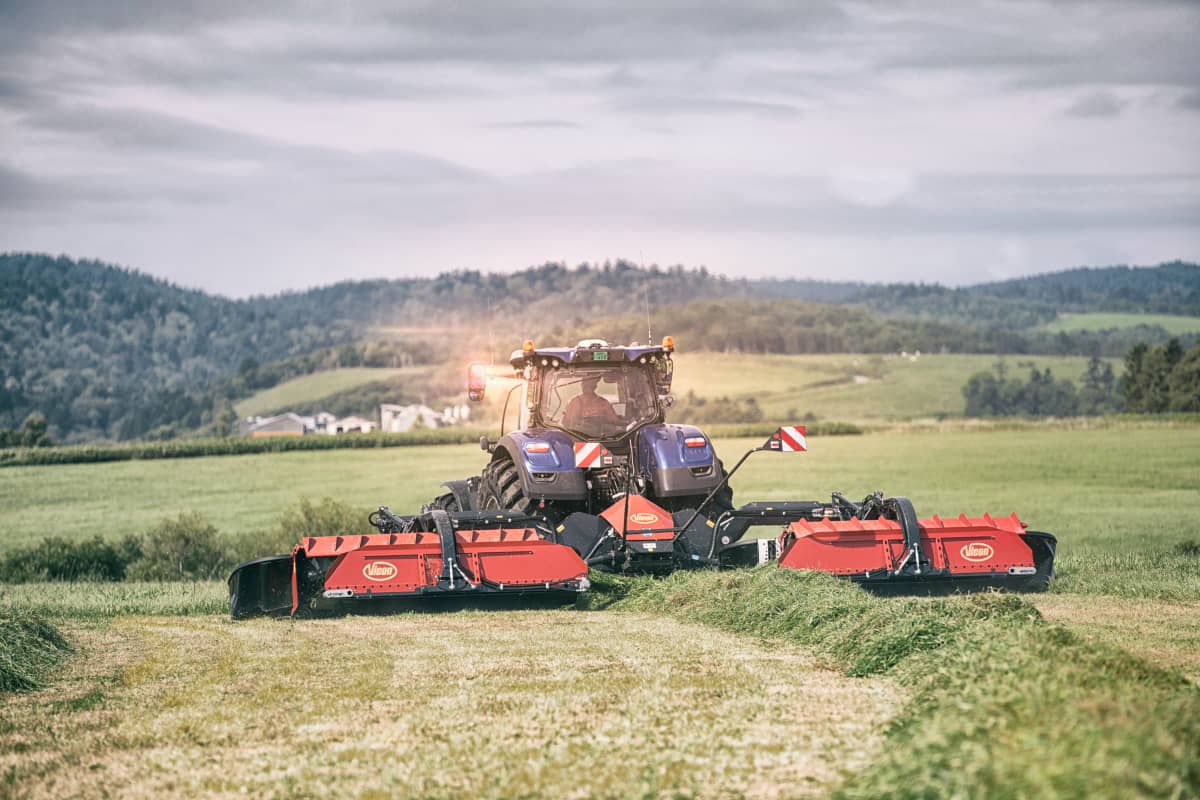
x: 591, y: 454
x: 788, y: 439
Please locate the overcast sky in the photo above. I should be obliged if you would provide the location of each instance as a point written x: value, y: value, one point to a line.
x: 245, y: 147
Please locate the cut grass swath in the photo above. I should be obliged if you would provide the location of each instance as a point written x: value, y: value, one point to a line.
x: 1005, y: 705
x: 102, y: 600
x: 30, y: 647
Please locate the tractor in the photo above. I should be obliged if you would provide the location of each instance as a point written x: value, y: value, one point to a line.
x: 592, y: 447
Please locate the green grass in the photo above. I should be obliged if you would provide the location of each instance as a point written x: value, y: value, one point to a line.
x: 1005, y: 705
x: 30, y: 647
x: 1119, y: 498
x: 1174, y: 324
x: 856, y: 388
x: 100, y: 600
x: 301, y: 392
x: 233, y: 445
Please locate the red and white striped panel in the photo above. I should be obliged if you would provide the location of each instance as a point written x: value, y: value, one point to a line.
x: 591, y: 454
x: 788, y: 439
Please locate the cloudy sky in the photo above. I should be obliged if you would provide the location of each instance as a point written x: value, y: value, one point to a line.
x: 245, y: 147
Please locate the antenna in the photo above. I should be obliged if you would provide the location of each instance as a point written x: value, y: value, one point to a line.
x: 649, y: 334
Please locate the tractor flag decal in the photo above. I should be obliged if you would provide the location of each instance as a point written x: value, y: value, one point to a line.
x: 591, y: 454
x: 788, y: 439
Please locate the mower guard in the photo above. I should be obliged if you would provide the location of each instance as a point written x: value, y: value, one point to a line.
x: 433, y: 555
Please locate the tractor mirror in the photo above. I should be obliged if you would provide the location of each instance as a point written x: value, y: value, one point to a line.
x: 476, y: 381
x: 666, y: 372
x: 788, y: 439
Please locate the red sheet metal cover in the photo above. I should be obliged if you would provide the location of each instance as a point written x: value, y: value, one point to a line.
x: 643, y: 516
x: 963, y: 545
x: 526, y: 562
x: 407, y: 562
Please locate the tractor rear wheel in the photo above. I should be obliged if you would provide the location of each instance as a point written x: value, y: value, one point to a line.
x: 500, y: 488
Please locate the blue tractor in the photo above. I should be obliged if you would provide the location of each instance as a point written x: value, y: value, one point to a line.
x: 594, y: 456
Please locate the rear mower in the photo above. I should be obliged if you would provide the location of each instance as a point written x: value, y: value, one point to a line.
x: 433, y: 556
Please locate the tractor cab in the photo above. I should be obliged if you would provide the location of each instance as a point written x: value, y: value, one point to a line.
x: 593, y: 391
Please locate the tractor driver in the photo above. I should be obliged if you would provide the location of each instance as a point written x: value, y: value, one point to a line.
x: 589, y: 404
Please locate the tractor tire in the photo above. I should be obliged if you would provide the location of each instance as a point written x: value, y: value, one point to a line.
x: 500, y: 488
x: 443, y: 502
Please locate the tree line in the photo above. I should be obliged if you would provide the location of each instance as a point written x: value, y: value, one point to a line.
x: 1157, y: 379
x: 1162, y: 378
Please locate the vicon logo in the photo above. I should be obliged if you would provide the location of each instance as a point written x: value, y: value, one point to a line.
x: 976, y: 551
x: 644, y: 518
x: 379, y: 571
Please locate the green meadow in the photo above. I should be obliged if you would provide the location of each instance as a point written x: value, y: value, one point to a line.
x: 300, y: 392
x: 1100, y: 321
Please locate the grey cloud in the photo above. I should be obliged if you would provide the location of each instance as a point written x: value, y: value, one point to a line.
x: 145, y: 133
x: 701, y: 105
x: 1062, y: 44
x: 1189, y: 101
x: 1096, y: 104
x: 533, y: 124
x: 761, y: 99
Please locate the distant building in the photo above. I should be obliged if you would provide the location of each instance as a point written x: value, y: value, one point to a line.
x: 401, y: 419
x: 350, y: 425
x: 288, y: 424
x: 319, y: 422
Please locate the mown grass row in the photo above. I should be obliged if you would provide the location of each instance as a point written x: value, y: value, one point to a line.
x: 30, y: 647
x: 1005, y: 704
x: 228, y: 446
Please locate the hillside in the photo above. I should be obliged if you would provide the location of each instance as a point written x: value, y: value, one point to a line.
x: 110, y: 353
x: 1172, y: 288
x: 1173, y: 324
x: 107, y: 352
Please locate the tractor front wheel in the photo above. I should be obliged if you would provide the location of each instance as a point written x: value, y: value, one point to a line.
x: 500, y: 488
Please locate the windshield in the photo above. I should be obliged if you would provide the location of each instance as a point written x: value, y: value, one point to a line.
x: 597, y: 403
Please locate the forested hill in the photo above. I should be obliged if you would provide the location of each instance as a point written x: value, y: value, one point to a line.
x: 1172, y: 288
x: 106, y: 352
x: 94, y: 347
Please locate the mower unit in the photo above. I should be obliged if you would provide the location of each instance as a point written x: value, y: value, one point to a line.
x: 436, y: 555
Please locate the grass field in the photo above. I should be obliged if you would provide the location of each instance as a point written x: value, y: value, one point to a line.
x: 851, y: 387
x: 165, y: 696
x: 302, y: 392
x: 1117, y: 527
x: 521, y: 704
x: 1075, y: 483
x: 1103, y: 321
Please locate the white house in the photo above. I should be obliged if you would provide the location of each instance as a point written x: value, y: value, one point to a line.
x: 401, y: 419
